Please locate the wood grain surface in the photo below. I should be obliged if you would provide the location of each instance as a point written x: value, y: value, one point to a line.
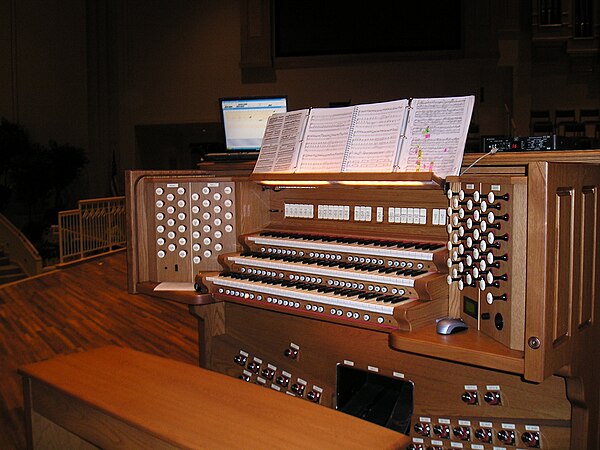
x: 186, y: 407
x: 80, y: 307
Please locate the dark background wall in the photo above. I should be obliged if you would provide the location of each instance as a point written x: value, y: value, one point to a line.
x: 140, y: 79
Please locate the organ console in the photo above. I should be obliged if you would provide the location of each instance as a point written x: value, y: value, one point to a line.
x: 329, y: 291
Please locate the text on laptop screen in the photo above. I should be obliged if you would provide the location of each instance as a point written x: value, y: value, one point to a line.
x: 245, y: 120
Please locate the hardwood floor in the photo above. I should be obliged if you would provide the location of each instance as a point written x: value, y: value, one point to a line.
x: 77, y: 308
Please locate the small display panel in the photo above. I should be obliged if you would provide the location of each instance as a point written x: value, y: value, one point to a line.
x: 470, y: 307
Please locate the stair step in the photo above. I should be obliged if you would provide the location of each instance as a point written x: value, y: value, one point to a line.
x: 4, y: 260
x: 10, y: 269
x: 9, y: 278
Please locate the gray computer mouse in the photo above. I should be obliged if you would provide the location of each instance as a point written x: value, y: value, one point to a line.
x: 449, y: 325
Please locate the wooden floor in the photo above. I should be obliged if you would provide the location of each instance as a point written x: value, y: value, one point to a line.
x: 80, y: 307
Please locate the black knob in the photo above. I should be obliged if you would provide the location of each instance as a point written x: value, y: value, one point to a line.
x: 282, y: 381
x: 493, y: 206
x: 291, y: 353
x: 504, y: 197
x: 422, y: 429
x: 496, y: 226
x: 442, y: 431
x: 240, y: 359
x: 506, y: 437
x: 254, y: 367
x: 314, y: 396
x: 499, y: 321
x: 298, y: 389
x: 492, y: 398
x: 531, y: 439
x: 268, y: 373
x: 462, y: 433
x: 483, y: 434
x: 469, y: 397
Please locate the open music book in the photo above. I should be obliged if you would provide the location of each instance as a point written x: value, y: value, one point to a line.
x: 418, y: 135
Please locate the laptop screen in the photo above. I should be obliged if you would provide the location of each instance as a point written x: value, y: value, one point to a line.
x: 245, y: 119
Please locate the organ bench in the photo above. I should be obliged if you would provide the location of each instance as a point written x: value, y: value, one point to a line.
x: 328, y: 287
x: 115, y: 397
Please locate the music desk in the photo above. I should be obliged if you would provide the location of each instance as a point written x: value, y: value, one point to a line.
x: 114, y: 397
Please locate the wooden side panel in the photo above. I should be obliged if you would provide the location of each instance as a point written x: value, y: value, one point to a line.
x: 64, y: 421
x: 46, y: 434
x: 252, y: 207
x: 180, y: 222
x: 562, y: 268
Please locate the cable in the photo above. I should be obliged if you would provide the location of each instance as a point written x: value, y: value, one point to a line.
x: 492, y: 151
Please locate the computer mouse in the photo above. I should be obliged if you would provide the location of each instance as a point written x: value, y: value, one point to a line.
x: 449, y: 325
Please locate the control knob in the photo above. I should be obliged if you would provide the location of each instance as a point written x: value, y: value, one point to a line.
x: 422, y: 429
x: 254, y: 366
x: 314, y: 396
x: 268, y: 373
x: 531, y: 439
x: 282, y: 380
x: 506, y: 437
x: 245, y: 377
x: 298, y: 389
x: 415, y: 447
x: 492, y: 398
x: 469, y: 397
x: 462, y: 433
x: 291, y: 353
x: 441, y: 431
x: 484, y: 435
x: 240, y: 360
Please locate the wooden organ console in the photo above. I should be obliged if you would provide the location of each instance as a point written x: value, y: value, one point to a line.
x: 328, y: 288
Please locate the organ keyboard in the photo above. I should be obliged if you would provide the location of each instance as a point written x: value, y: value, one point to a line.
x: 373, y: 283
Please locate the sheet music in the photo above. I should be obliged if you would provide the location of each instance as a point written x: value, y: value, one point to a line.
x: 325, y: 140
x: 436, y: 135
x: 427, y: 136
x: 375, y: 137
x: 281, y: 142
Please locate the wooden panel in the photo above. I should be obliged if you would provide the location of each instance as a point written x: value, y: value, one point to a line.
x: 588, y: 251
x: 562, y: 267
x: 525, y: 158
x: 116, y: 397
x: 79, y: 424
x: 562, y: 275
x: 48, y: 435
x: 384, y: 198
x: 179, y: 222
x: 438, y: 385
x: 252, y: 207
x: 489, y: 254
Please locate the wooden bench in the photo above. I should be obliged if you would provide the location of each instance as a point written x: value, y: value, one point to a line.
x: 114, y: 397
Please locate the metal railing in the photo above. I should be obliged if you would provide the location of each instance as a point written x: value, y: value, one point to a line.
x: 97, y: 226
x: 21, y: 251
